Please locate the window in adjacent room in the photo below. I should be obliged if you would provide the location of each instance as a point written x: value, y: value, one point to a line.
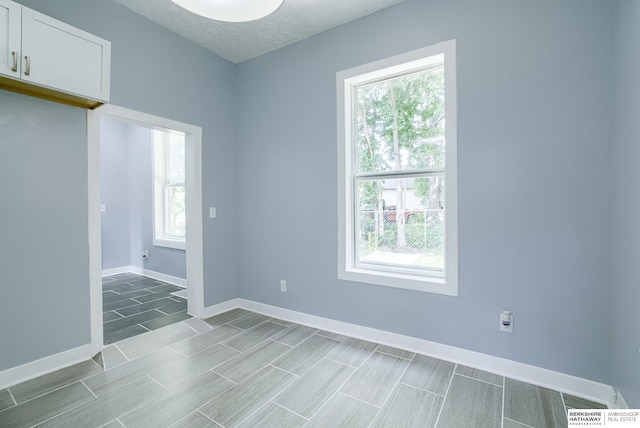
x: 169, y: 189
x: 397, y: 171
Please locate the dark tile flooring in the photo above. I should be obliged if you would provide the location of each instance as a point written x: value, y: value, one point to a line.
x: 134, y: 304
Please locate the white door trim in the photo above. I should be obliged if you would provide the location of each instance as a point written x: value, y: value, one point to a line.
x: 194, y: 252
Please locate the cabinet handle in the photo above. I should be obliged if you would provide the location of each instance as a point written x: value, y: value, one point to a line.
x: 27, y: 70
x: 15, y: 61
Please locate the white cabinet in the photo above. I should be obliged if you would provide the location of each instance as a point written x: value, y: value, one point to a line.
x: 48, y: 58
x: 10, y: 29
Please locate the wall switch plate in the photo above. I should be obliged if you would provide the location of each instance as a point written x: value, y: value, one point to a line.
x: 212, y: 212
x: 283, y: 285
x: 103, y: 208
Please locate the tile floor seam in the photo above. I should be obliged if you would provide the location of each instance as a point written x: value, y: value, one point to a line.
x: 128, y: 316
x: 392, y: 389
x: 516, y: 422
x: 115, y: 345
x: 161, y: 385
x: 341, y: 362
x: 504, y: 388
x: 319, y: 333
x: 285, y: 408
x: 85, y: 385
x: 479, y: 380
x: 240, y: 422
x: 420, y: 389
x: 445, y: 395
x: 397, y: 356
x: 280, y: 368
x: 212, y: 370
x: 203, y: 414
x: 275, y: 320
x: 359, y: 399
x: 66, y: 411
x: 15, y: 403
x: 48, y: 392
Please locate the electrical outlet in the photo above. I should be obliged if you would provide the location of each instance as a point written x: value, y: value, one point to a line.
x: 283, y: 285
x: 145, y: 254
x: 506, y: 322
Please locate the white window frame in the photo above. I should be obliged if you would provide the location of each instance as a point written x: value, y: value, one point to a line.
x: 160, y: 204
x: 446, y: 284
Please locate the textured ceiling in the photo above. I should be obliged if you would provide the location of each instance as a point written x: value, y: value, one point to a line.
x: 237, y: 42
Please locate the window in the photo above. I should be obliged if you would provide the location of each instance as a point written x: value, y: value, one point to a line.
x: 169, y: 225
x: 397, y: 168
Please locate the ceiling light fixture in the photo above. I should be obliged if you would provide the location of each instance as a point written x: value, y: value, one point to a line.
x: 231, y: 10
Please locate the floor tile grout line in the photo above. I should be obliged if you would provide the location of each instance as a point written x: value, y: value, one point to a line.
x: 252, y: 413
x: 132, y: 315
x: 285, y: 408
x: 115, y: 345
x: 156, y: 381
x: 397, y: 356
x: 90, y: 390
x: 479, y: 380
x: 517, y: 423
x: 15, y: 403
x: 280, y: 391
x: 343, y: 363
x: 445, y: 395
x: 279, y: 368
x: 66, y: 411
x: 392, y: 389
x: 360, y: 400
x: 212, y: 370
x: 184, y: 322
x: 420, y: 389
x: 45, y: 393
x: 504, y: 389
x: 198, y: 411
x: 337, y: 391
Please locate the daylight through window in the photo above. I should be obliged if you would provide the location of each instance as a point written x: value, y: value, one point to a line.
x: 169, y: 189
x: 399, y: 171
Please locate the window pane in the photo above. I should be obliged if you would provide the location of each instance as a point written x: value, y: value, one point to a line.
x: 175, y: 158
x: 399, y: 123
x: 401, y: 222
x: 176, y: 221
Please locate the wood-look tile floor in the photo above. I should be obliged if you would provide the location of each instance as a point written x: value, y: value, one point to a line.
x: 134, y: 304
x: 242, y: 369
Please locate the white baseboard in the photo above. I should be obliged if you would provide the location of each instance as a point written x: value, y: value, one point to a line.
x: 210, y: 311
x: 561, y: 382
x: 180, y: 282
x: 619, y: 401
x: 24, y: 372
x: 584, y: 388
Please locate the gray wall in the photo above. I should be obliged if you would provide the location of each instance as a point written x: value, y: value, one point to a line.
x: 44, y: 267
x: 536, y: 91
x: 127, y: 190
x: 114, y: 193
x: 534, y: 125
x: 626, y: 291
x: 153, y: 71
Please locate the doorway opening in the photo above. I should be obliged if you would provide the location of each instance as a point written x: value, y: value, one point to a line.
x: 189, y: 223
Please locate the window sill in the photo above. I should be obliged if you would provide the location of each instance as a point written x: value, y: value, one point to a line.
x: 427, y: 284
x: 177, y: 245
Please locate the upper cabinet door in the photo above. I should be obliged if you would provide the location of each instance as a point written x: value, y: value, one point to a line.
x: 10, y: 38
x: 63, y: 57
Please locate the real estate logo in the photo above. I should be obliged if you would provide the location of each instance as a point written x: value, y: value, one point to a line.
x: 604, y: 417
